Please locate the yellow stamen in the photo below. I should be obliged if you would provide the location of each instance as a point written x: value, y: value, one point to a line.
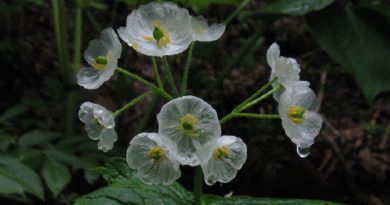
x: 221, y: 153
x: 161, y: 35
x: 148, y: 38
x: 295, y: 113
x: 187, y: 125
x: 156, y: 153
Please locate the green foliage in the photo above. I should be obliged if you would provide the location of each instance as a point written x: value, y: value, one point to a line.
x: 291, y: 7
x: 213, y: 200
x: 125, y: 188
x: 355, y: 40
x: 20, y: 177
x: 55, y: 174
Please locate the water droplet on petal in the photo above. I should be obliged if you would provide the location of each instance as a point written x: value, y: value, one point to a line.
x: 303, y: 151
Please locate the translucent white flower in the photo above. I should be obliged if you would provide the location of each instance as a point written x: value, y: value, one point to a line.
x: 201, y: 31
x: 227, y: 156
x: 297, y: 109
x: 153, y: 161
x: 187, y: 123
x: 285, y: 69
x: 158, y: 29
x: 102, y: 55
x: 99, y: 124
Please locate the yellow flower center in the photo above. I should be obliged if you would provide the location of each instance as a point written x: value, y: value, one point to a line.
x: 187, y: 125
x: 100, y: 62
x: 156, y: 153
x: 160, y: 35
x: 221, y: 153
x: 295, y: 113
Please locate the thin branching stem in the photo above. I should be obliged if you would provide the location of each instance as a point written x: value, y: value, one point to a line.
x: 187, y: 67
x: 171, y: 80
x: 132, y: 103
x: 156, y: 73
x: 148, y: 84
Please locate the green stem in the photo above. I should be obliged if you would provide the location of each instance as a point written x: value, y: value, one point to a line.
x: 156, y: 73
x: 198, y: 182
x: 236, y: 12
x: 248, y: 115
x: 249, y: 45
x: 131, y: 103
x: 61, y: 38
x: 255, y: 95
x: 77, y: 37
x: 151, y: 86
x: 93, y: 21
x: 171, y: 80
x: 187, y: 67
x: 257, y: 100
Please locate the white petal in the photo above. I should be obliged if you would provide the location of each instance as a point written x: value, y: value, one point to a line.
x: 208, y: 127
x: 226, y: 169
x: 140, y: 23
x: 151, y: 172
x: 107, y: 139
x: 99, y: 124
x: 287, y: 71
x: 273, y: 53
x: 202, y: 32
x: 108, y: 45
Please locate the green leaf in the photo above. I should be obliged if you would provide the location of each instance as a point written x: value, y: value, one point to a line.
x: 23, y: 175
x: 36, y: 137
x: 13, y: 112
x: 6, y: 140
x: 234, y: 200
x: 56, y: 175
x: 293, y: 7
x: 127, y: 189
x: 8, y: 185
x: 358, y: 41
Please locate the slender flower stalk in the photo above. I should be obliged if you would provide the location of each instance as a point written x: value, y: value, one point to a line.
x: 132, y: 103
x: 255, y: 95
x: 171, y: 80
x: 236, y: 12
x: 198, y: 183
x: 156, y: 73
x: 266, y: 95
x: 187, y: 67
x: 146, y: 83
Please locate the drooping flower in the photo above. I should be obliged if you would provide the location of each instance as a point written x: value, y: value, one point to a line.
x: 201, y: 31
x: 285, y: 69
x: 153, y: 161
x: 227, y: 156
x: 297, y: 109
x: 187, y: 123
x: 158, y: 29
x: 99, y: 124
x: 102, y: 55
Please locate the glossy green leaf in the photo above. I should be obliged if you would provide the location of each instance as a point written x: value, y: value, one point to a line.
x: 126, y: 188
x: 23, y: 175
x: 234, y: 200
x: 36, y: 137
x: 56, y: 175
x: 355, y: 40
x: 293, y: 7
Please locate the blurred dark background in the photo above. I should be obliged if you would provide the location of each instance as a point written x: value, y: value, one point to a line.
x: 343, y: 49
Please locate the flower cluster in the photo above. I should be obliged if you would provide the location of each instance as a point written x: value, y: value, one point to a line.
x: 161, y: 29
x: 297, y: 102
x: 189, y: 133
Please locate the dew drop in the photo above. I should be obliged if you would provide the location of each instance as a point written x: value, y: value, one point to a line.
x: 303, y: 151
